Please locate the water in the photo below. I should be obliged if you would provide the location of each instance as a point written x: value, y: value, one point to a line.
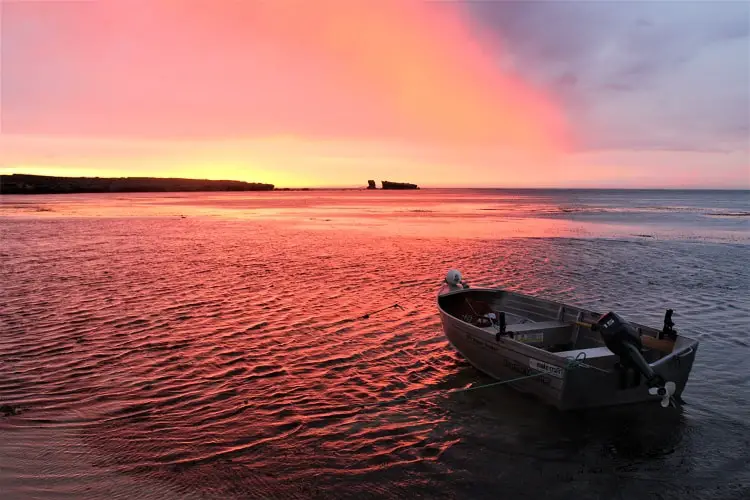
x: 209, y: 346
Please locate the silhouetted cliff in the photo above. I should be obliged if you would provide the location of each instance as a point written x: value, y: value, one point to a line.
x: 398, y: 185
x: 42, y: 184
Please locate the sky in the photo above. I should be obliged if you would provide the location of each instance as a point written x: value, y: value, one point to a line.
x: 336, y: 92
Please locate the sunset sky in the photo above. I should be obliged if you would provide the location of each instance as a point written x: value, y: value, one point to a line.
x: 332, y: 93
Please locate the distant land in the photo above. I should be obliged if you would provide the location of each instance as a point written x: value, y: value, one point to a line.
x: 43, y: 184
x: 397, y: 185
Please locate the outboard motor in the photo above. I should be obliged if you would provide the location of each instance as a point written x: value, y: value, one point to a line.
x: 624, y: 341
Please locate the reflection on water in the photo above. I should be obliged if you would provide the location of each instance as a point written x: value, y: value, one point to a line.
x: 224, y: 356
x: 685, y: 215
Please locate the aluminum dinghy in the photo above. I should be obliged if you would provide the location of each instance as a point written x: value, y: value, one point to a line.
x: 567, y: 356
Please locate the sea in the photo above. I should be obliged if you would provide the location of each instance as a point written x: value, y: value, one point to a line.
x: 248, y: 344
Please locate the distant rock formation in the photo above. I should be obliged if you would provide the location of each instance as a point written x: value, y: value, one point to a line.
x: 398, y: 185
x: 371, y: 185
x: 42, y: 184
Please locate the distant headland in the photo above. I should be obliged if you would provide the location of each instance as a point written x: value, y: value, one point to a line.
x: 392, y: 185
x: 43, y: 184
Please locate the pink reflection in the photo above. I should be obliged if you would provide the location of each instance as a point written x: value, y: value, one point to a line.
x: 427, y: 213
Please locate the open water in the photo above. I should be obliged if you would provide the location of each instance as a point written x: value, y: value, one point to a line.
x: 211, y: 345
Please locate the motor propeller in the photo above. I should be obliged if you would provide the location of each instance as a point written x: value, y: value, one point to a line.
x: 666, y: 392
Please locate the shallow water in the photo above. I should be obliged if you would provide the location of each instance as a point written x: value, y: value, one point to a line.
x: 212, y: 346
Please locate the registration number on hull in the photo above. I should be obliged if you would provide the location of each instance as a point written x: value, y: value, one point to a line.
x: 541, y: 366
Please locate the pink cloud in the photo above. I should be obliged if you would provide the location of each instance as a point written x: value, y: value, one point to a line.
x: 391, y: 69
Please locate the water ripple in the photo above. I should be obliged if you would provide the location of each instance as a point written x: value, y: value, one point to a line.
x: 228, y: 360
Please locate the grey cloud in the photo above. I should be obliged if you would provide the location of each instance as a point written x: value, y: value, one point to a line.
x: 653, y: 75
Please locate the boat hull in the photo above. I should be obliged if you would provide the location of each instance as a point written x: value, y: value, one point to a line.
x: 557, y: 380
x: 501, y: 361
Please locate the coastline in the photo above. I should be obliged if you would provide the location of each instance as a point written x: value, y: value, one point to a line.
x: 23, y: 184
x: 43, y: 184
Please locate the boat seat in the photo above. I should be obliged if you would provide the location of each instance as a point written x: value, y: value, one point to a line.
x: 591, y: 353
x: 541, y: 325
x: 531, y: 327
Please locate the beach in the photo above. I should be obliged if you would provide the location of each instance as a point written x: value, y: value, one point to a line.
x: 212, y: 345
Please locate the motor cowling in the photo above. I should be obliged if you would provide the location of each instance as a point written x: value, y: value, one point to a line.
x: 625, y: 342
x: 616, y: 333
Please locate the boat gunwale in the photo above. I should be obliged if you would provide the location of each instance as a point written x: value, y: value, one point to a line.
x: 509, y: 343
x: 691, y: 342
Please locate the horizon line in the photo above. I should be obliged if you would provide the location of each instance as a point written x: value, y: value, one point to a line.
x: 365, y: 188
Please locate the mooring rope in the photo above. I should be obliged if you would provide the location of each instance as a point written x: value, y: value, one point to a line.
x: 367, y: 315
x: 570, y: 364
x: 578, y: 362
x: 434, y: 394
x: 493, y: 384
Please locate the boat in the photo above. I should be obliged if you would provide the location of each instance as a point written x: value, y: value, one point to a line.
x: 566, y: 356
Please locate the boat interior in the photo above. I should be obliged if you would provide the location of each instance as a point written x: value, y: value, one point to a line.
x: 546, y: 325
